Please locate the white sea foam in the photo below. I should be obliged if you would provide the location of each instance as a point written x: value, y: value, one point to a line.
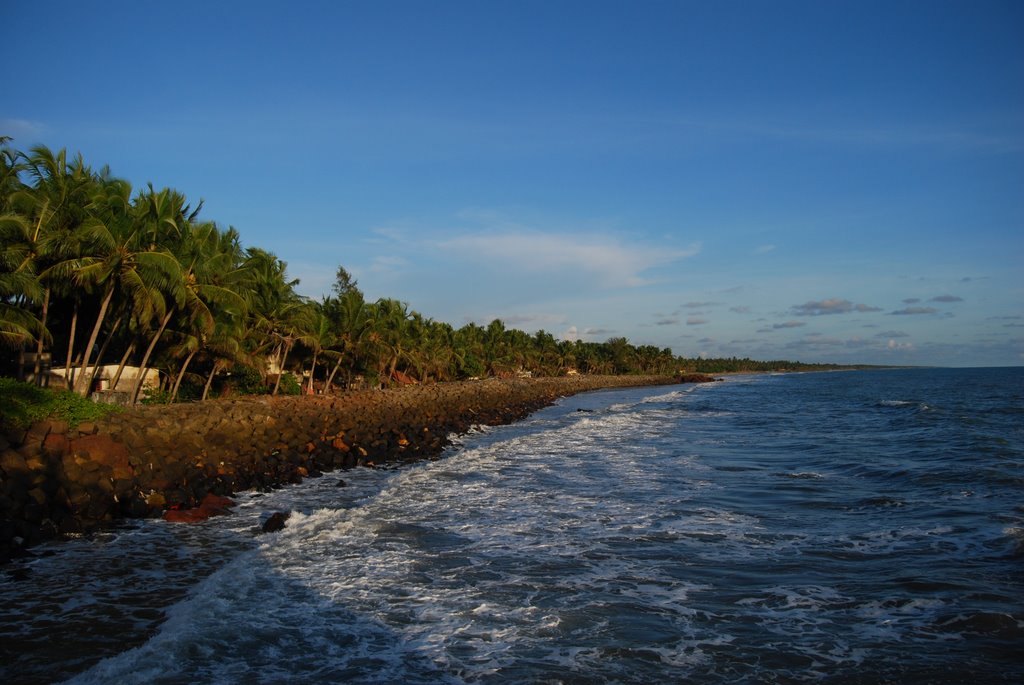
x: 638, y: 541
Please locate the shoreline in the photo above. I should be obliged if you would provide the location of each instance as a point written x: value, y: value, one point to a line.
x: 149, y: 461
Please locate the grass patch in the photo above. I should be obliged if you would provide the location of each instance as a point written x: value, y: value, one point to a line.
x: 22, y: 404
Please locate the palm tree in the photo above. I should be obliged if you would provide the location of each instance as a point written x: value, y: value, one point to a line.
x: 224, y: 349
x: 497, y: 348
x: 351, y: 316
x: 316, y: 332
x: 620, y: 354
x: 18, y: 283
x: 390, y: 332
x: 188, y: 348
x: 274, y: 305
x: 209, y: 277
x: 56, y: 202
x: 469, y: 351
x: 435, y: 356
x: 11, y: 167
x: 117, y: 261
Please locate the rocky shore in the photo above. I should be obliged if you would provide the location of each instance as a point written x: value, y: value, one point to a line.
x: 179, y: 461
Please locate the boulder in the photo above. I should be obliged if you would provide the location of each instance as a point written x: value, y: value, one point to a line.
x: 216, y: 504
x: 211, y: 505
x: 103, y: 449
x: 695, y: 378
x: 55, y: 444
x: 194, y: 515
x: 276, y: 521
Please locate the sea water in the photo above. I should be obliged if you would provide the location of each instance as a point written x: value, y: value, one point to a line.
x: 852, y: 527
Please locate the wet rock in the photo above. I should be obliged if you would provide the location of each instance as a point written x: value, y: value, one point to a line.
x: 217, y: 505
x: 194, y: 515
x: 276, y: 521
x: 695, y: 378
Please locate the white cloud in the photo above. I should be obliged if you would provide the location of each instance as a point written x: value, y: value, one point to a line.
x: 528, y: 321
x: 387, y: 264
x: 20, y: 129
x: 914, y: 311
x: 314, y: 279
x: 612, y: 261
x: 833, y: 305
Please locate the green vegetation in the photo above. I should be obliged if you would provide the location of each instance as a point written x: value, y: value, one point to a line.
x: 95, y: 273
x: 21, y: 404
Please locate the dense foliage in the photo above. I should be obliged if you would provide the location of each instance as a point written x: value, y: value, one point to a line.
x: 22, y: 404
x: 93, y: 272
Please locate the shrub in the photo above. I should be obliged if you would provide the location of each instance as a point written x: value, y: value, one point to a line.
x: 248, y: 381
x: 156, y: 397
x: 21, y: 404
x: 289, y: 385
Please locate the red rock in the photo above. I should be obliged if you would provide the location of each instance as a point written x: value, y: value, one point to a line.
x: 56, y: 444
x: 212, y: 505
x: 212, y: 501
x: 186, y: 515
x: 103, y: 449
x: 215, y: 505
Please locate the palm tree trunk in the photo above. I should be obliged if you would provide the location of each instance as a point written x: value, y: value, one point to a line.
x: 103, y: 350
x: 38, y: 371
x: 392, y: 367
x: 280, y: 370
x: 209, y: 380
x: 120, y: 367
x: 330, y: 378
x: 71, y: 348
x: 181, y: 374
x: 277, y: 359
x: 82, y: 386
x: 312, y: 372
x: 145, y: 358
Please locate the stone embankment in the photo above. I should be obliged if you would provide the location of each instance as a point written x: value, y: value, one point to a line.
x: 154, y: 460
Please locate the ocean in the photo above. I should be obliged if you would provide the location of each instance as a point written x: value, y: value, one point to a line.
x: 846, y: 527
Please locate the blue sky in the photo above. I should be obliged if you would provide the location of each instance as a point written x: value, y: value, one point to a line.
x: 822, y: 181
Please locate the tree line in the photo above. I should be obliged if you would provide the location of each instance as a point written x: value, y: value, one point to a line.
x: 96, y: 273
